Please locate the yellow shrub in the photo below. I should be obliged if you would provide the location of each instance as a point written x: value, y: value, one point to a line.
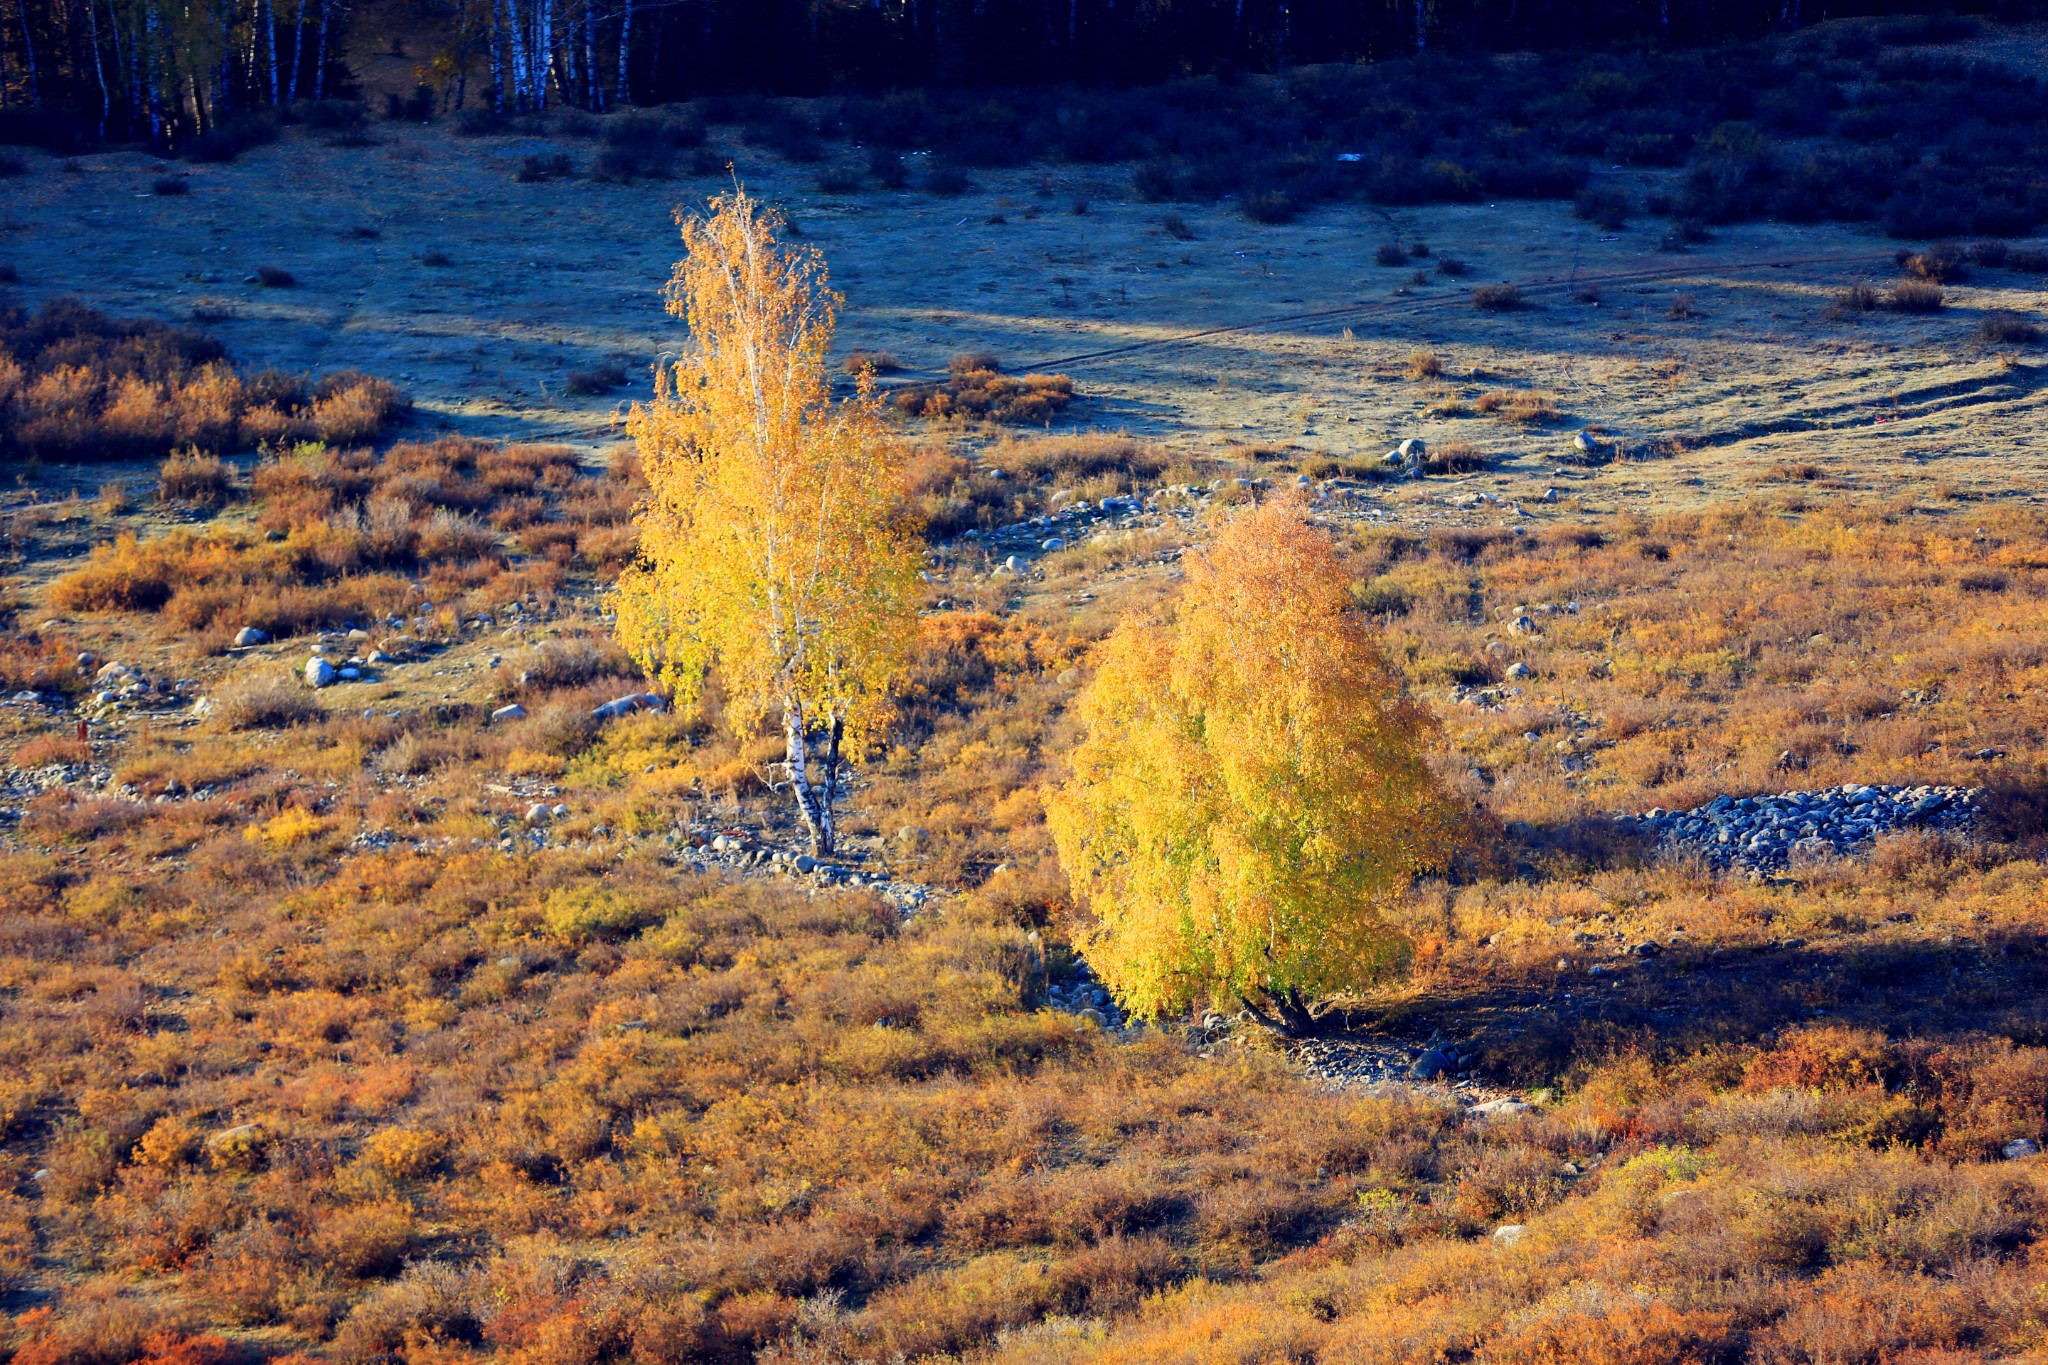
x: 404, y: 1153
x: 287, y: 829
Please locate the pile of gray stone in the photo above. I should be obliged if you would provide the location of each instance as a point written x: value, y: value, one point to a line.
x: 1081, y: 994
x: 1058, y: 529
x: 1766, y: 833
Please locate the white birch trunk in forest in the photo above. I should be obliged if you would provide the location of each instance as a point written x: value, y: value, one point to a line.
x: 268, y: 31
x: 625, y: 92
x: 298, y: 52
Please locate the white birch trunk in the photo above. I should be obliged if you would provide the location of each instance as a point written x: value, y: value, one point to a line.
x: 92, y: 16
x: 263, y: 17
x: 320, y: 57
x: 543, y: 52
x: 497, y: 62
x: 816, y: 813
x: 625, y: 92
x: 519, y: 71
x: 150, y: 86
x: 28, y: 47
x: 298, y: 52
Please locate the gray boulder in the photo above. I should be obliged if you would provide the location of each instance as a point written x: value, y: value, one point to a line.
x: 2020, y: 1147
x: 249, y: 635
x: 628, y: 704
x: 319, y: 672
x: 513, y: 712
x: 1493, y: 1109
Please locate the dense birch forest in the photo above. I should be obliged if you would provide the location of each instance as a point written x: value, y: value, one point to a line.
x: 73, y: 72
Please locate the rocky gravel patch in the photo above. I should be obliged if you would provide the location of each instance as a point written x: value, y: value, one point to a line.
x: 1769, y: 833
x: 1077, y: 992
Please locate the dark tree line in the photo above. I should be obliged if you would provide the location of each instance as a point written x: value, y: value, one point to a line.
x: 172, y: 70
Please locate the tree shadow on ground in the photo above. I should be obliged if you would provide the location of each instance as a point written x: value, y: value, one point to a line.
x: 1689, y: 996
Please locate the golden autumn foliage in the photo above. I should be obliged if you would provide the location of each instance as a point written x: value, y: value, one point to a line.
x: 1251, y: 783
x: 775, y: 542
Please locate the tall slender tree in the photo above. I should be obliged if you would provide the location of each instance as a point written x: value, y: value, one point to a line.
x: 776, y: 547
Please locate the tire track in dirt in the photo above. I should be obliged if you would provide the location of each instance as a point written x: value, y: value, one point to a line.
x: 1544, y: 285
x: 2013, y: 386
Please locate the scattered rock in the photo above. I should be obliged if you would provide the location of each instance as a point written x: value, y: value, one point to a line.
x: 1507, y: 1234
x: 1520, y: 671
x: 1768, y: 833
x: 1503, y: 1108
x: 628, y: 704
x: 250, y: 635
x: 539, y: 813
x: 513, y: 712
x: 1052, y: 543
x: 2020, y: 1147
x: 319, y: 672
x: 239, y: 1148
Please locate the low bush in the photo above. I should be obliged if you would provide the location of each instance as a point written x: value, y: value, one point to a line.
x: 77, y: 385
x: 877, y: 362
x: 1914, y: 296
x: 2002, y: 328
x: 170, y: 185
x: 1423, y: 365
x: 1520, y: 406
x: 196, y: 480
x: 264, y: 701
x: 1456, y: 457
x: 275, y: 277
x: 1271, y: 206
x: 1855, y: 301
x: 1941, y: 263
x: 1604, y: 206
x: 228, y: 138
x: 1495, y: 298
x: 1074, y: 459
x: 975, y: 386
x: 599, y: 379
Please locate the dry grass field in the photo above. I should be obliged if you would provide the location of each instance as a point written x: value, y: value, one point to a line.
x: 376, y: 1022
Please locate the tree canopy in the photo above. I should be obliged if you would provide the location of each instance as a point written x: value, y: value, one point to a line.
x: 776, y: 546
x: 1250, y: 786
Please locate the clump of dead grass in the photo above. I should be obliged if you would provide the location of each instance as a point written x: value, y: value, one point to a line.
x: 976, y: 387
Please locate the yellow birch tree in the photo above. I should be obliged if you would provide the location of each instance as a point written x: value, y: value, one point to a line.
x: 776, y: 546
x: 1249, y: 788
